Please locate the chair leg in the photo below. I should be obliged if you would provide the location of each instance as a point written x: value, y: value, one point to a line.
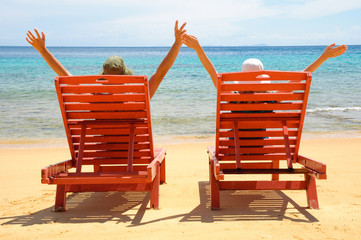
x: 60, y: 198
x: 162, y: 172
x: 154, y: 192
x: 215, y: 199
x: 311, y: 192
x: 275, y: 165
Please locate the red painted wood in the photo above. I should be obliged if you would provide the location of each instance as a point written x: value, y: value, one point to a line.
x: 60, y: 198
x: 312, y: 164
x: 263, y: 185
x: 236, y: 144
x: 274, y: 75
x: 104, y: 79
x: 108, y: 187
x: 262, y: 87
x: 311, y: 192
x: 215, y: 199
x: 91, y: 98
x: 268, y: 108
x: 121, y: 88
x: 79, y: 161
x: 287, y: 145
x: 154, y: 192
x: 123, y: 156
x: 131, y: 149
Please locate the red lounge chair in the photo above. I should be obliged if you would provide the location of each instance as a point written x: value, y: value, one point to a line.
x: 259, y: 126
x: 108, y: 125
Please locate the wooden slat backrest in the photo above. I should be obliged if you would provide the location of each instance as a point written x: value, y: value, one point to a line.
x: 108, y: 106
x: 255, y: 106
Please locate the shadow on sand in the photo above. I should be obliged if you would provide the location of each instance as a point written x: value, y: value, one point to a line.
x: 130, y: 207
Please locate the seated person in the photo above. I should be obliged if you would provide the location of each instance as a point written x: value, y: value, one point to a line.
x: 254, y: 64
x: 114, y: 65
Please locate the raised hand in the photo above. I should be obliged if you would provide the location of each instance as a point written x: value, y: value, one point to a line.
x: 178, y: 32
x: 331, y: 51
x: 37, y: 42
x: 190, y: 41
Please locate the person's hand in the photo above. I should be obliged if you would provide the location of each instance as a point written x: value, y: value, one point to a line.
x: 190, y: 41
x: 37, y: 42
x: 331, y: 51
x: 178, y: 32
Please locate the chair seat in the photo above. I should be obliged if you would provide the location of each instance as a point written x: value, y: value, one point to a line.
x: 266, y: 171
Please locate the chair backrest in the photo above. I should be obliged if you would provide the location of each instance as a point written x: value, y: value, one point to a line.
x: 111, y: 112
x: 257, y: 113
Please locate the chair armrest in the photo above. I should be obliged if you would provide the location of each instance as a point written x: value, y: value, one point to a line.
x: 153, y: 167
x: 50, y: 171
x: 160, y: 154
x: 213, y: 161
x: 318, y: 168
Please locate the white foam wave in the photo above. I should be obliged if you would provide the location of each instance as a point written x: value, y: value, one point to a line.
x: 335, y: 109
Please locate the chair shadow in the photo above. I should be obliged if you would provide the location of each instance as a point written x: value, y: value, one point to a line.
x: 90, y: 207
x: 130, y: 207
x: 248, y: 206
x: 244, y: 206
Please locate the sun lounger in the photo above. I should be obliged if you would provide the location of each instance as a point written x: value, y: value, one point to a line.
x: 108, y: 126
x: 260, y: 116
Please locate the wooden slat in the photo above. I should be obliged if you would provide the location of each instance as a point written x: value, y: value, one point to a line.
x: 265, y: 171
x: 248, y: 165
x: 111, y: 146
x: 105, y: 79
x: 100, y: 180
x: 116, y: 154
x: 260, y: 106
x: 103, y: 89
x: 91, y: 98
x: 117, y: 123
x: 255, y: 142
x: 273, y: 75
x: 263, y: 150
x: 262, y: 123
x: 123, y: 168
x: 259, y: 133
x: 109, y: 131
x: 285, y: 114
x: 253, y: 157
x: 111, y: 139
x: 102, y: 106
x: 117, y: 161
x: 228, y: 97
x: 106, y: 115
x: 263, y: 87
x: 263, y: 185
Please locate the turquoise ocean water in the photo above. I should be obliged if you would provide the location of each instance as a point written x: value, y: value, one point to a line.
x: 185, y: 103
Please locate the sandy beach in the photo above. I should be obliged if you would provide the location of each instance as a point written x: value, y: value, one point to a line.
x: 26, y: 205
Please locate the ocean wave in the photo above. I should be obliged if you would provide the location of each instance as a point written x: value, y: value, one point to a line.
x: 334, y: 109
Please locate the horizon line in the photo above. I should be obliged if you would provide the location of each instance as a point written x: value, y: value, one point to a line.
x: 205, y: 46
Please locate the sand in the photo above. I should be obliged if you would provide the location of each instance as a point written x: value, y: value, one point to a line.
x: 26, y: 205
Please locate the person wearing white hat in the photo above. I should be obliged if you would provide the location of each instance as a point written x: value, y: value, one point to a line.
x: 254, y: 64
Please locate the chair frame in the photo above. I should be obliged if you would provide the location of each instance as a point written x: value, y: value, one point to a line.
x: 260, y: 117
x: 114, y: 138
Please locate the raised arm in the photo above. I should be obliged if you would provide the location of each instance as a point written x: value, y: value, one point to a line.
x: 38, y: 43
x: 168, y: 61
x: 192, y: 42
x: 330, y: 52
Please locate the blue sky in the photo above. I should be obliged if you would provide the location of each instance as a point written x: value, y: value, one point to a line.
x: 151, y: 22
